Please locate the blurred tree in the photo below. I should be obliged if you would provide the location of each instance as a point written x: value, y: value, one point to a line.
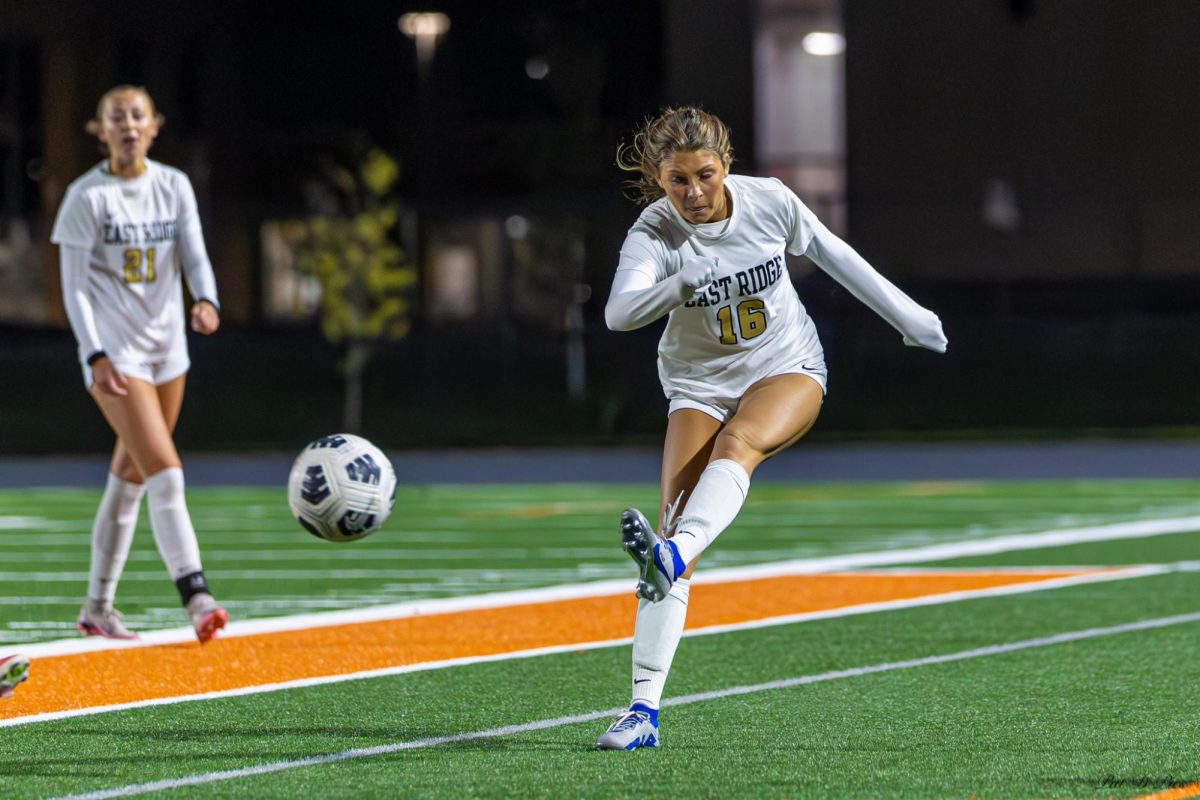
x: 350, y: 245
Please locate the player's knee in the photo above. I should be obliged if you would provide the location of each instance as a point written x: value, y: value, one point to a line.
x: 157, y: 464
x: 159, y: 455
x: 741, y: 445
x: 149, y: 463
x: 124, y: 467
x: 128, y: 472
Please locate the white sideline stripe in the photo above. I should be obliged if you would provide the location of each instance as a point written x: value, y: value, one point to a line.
x: 1139, y: 529
x: 766, y: 622
x: 558, y: 722
x: 804, y: 566
x: 940, y: 599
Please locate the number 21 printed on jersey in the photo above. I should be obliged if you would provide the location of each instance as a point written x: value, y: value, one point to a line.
x: 139, y: 265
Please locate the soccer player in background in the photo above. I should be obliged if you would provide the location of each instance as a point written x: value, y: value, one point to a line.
x: 127, y: 229
x: 13, y: 670
x: 739, y: 360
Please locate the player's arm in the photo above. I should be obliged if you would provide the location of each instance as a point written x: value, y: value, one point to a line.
x: 197, y: 269
x: 919, y: 326
x: 637, y: 299
x: 74, y: 263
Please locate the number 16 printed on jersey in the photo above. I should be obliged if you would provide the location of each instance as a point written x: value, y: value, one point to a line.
x: 751, y: 320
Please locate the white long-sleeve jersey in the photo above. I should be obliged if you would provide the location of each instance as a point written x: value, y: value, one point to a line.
x: 140, y: 235
x: 748, y: 323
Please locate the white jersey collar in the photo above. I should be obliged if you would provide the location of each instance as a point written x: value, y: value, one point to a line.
x: 129, y: 185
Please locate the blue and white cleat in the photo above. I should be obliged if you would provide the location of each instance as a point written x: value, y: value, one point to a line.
x: 659, y: 564
x: 637, y: 727
x: 13, y: 670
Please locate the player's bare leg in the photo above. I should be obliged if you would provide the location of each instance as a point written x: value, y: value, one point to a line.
x: 140, y: 422
x: 143, y: 419
x: 773, y: 414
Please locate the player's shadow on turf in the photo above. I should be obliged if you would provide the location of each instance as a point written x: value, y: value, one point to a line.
x: 1134, y: 782
x: 103, y: 768
x: 501, y: 744
x: 333, y: 733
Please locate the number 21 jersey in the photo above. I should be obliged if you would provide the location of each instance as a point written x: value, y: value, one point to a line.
x: 131, y: 228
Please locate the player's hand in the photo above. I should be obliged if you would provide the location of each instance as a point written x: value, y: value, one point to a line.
x: 697, y: 271
x: 928, y: 334
x: 205, y: 317
x: 107, y: 379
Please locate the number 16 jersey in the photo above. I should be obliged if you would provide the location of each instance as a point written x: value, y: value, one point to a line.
x: 748, y: 323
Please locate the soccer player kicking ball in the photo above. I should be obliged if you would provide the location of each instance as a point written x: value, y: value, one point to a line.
x: 740, y: 361
x: 13, y: 670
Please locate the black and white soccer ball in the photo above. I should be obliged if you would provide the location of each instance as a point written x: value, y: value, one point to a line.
x: 341, y: 487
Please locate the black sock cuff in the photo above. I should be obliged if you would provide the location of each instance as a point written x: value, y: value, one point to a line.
x: 191, y: 585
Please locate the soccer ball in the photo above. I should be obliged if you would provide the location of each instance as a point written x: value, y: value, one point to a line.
x: 341, y: 487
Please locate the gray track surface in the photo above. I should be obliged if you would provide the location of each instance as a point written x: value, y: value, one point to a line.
x: 804, y: 462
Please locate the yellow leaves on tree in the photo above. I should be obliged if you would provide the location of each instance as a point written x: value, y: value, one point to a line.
x: 363, y: 272
x: 351, y: 248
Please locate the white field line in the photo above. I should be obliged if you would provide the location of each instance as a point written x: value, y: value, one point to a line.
x: 804, y: 566
x: 1139, y: 529
x: 616, y: 587
x: 350, y: 574
x: 788, y: 619
x: 558, y: 722
x: 326, y: 555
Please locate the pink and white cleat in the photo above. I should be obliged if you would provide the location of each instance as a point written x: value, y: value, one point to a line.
x: 207, y: 617
x: 101, y: 619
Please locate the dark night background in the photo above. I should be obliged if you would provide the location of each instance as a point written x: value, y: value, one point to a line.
x: 1082, y: 319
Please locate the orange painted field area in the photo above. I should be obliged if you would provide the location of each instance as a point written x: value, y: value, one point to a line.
x: 1176, y: 793
x: 110, y: 677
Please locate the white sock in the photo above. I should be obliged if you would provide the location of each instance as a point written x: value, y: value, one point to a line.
x: 173, y: 531
x: 112, y: 534
x: 713, y: 504
x: 655, y: 638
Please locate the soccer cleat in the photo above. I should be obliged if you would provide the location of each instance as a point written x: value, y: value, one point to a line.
x: 102, y: 620
x: 13, y: 670
x: 207, y: 617
x: 659, y: 564
x: 637, y: 727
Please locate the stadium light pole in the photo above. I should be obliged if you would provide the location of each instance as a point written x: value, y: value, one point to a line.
x: 424, y: 28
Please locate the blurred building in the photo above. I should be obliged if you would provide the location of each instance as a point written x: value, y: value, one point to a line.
x: 1024, y: 167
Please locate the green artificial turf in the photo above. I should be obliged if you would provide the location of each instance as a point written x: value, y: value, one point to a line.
x: 1111, y: 716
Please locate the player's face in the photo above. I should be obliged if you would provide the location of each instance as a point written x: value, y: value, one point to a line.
x: 128, y: 126
x: 695, y: 183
